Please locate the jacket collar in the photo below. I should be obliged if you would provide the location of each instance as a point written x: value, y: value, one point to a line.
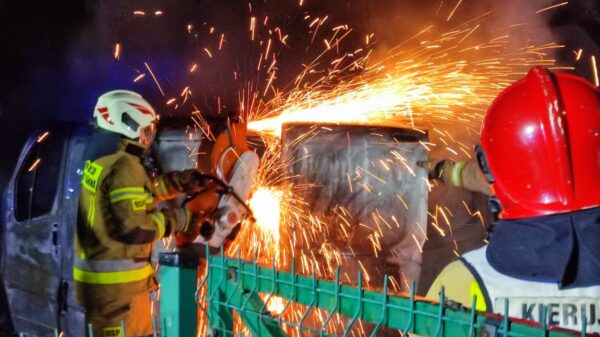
x: 562, y: 248
x: 132, y: 147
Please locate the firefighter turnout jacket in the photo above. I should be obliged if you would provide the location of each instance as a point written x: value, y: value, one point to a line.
x: 472, y: 275
x: 117, y: 225
x: 467, y: 175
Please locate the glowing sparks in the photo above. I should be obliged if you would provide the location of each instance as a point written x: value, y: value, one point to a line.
x: 154, y: 78
x: 221, y: 40
x: 454, y: 10
x: 252, y: 26
x: 35, y: 164
x: 595, y: 71
x: 139, y: 13
x: 265, y: 204
x: 139, y: 77
x: 42, y: 137
x: 578, y: 54
x: 267, y: 49
x: 193, y: 67
x: 439, y: 83
x: 552, y: 7
x: 117, y: 52
x: 408, y: 89
x: 276, y: 305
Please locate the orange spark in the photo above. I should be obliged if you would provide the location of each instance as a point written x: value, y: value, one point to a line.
x: 117, y: 53
x: 454, y: 10
x: 42, y: 137
x: 34, y: 165
x: 595, y: 69
x: 221, y: 41
x: 552, y: 7
x: 252, y: 26
x: 154, y: 78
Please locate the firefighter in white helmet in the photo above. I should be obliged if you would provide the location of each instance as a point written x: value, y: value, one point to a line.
x: 118, y: 222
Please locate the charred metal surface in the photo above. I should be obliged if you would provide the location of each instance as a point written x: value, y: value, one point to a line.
x: 176, y: 149
x: 356, y: 171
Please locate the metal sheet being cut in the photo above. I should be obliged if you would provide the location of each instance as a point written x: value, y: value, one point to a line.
x: 367, y: 192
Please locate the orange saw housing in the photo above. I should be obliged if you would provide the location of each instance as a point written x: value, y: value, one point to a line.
x: 218, y: 159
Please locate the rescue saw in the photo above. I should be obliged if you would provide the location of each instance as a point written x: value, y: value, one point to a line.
x: 229, y: 168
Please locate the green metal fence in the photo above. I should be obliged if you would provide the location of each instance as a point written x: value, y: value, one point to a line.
x: 233, y: 298
x: 233, y: 286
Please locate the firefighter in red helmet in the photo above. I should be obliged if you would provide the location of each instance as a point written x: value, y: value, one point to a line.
x: 540, y: 151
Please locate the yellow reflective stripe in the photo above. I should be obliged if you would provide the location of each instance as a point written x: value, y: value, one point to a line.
x: 160, y: 189
x: 128, y: 193
x: 149, y: 199
x: 162, y: 186
x: 112, y: 277
x: 91, y: 175
x: 159, y: 219
x: 113, y: 331
x: 456, y: 175
x: 475, y: 290
x: 128, y: 190
x: 188, y: 219
x: 91, y: 211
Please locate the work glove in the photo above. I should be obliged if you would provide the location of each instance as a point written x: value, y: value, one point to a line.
x: 191, y: 181
x: 435, y: 168
x: 187, y: 222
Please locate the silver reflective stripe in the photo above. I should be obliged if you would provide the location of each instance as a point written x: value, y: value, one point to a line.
x: 108, y: 265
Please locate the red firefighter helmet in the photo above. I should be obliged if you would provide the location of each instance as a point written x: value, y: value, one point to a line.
x: 541, y: 143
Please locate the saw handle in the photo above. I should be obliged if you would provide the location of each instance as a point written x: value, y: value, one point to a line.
x: 226, y: 189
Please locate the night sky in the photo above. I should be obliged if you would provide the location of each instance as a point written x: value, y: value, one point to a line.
x: 56, y: 57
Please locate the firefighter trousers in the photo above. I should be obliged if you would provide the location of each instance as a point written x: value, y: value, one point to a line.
x: 135, y: 314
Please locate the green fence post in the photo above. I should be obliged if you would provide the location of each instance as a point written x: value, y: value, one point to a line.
x: 178, y: 307
x: 220, y: 315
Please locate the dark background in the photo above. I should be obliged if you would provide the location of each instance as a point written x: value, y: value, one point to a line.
x: 56, y: 57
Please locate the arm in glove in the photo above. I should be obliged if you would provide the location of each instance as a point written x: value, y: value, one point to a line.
x: 190, y: 224
x: 135, y: 220
x: 463, y: 174
x: 435, y: 168
x: 172, y: 184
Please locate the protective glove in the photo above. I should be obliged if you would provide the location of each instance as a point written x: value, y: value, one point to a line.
x: 191, y: 181
x: 435, y: 168
x: 188, y: 223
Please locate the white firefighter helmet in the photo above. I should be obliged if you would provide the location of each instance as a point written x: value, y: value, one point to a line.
x: 124, y: 112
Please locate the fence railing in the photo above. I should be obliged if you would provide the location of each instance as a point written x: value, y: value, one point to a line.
x: 235, y: 286
x: 235, y: 296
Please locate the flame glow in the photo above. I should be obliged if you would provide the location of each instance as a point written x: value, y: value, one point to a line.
x: 266, y: 207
